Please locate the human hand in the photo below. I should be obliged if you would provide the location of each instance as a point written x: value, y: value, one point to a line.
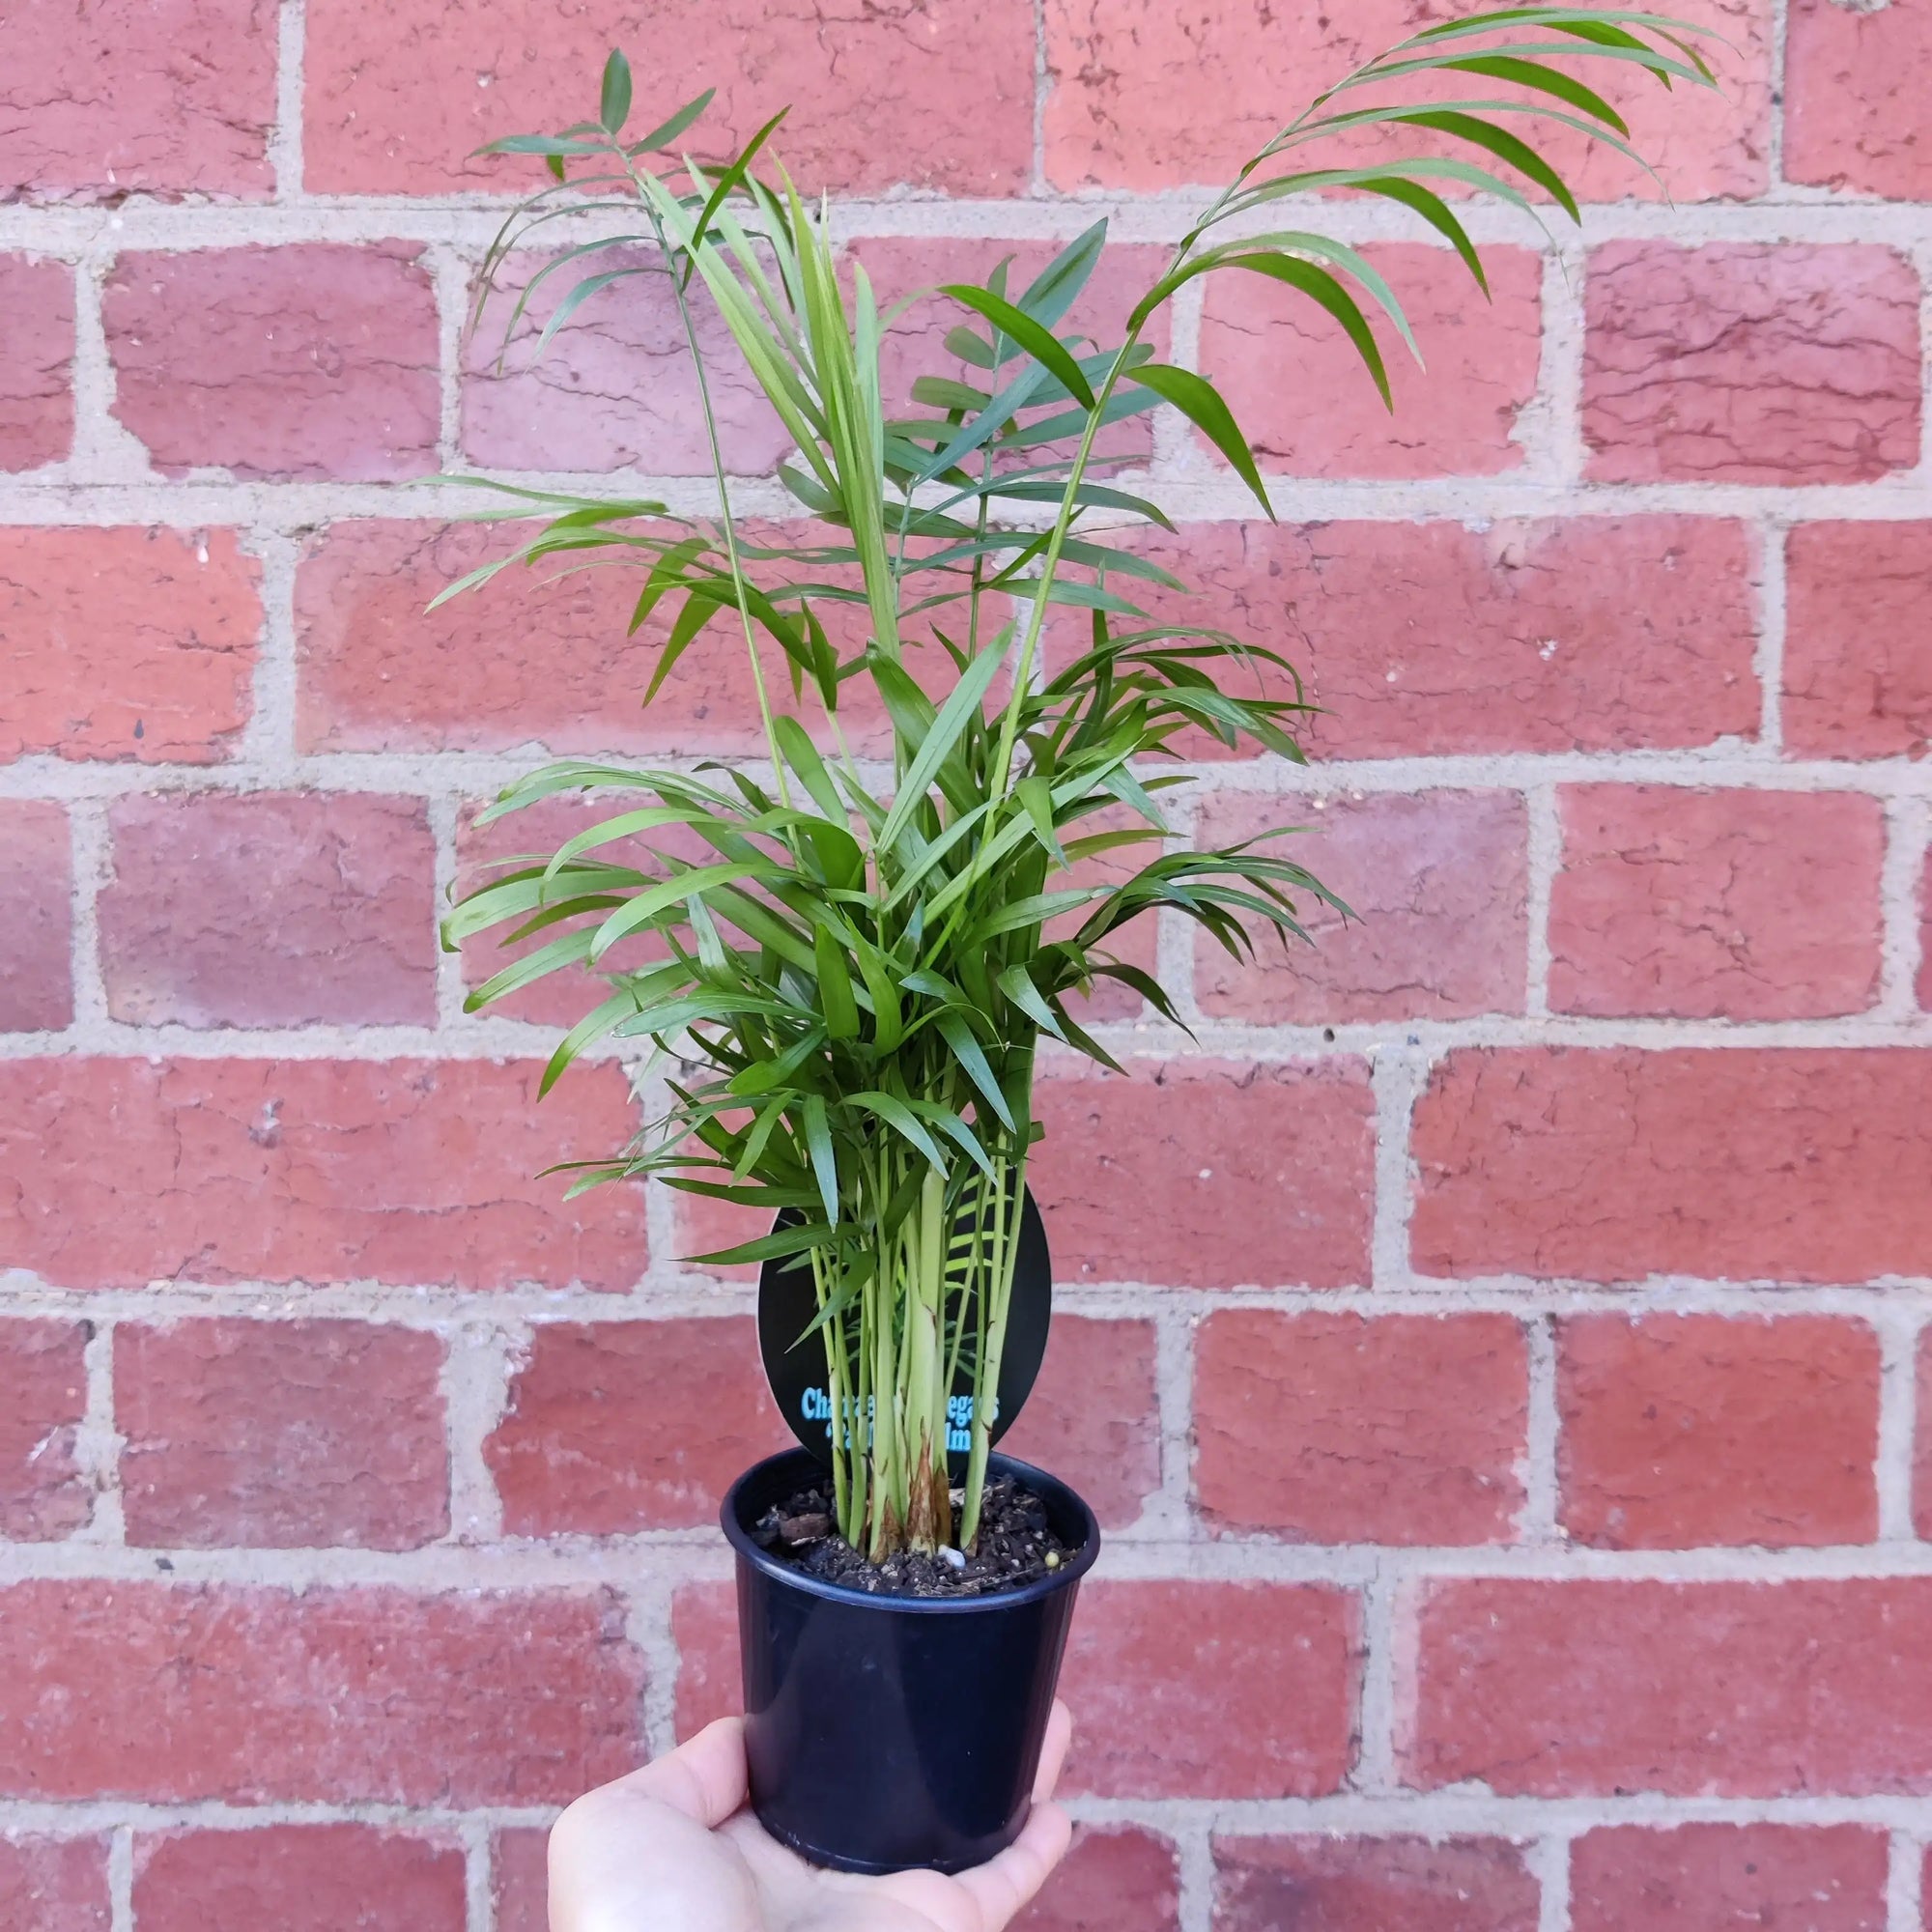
x: 674, y: 1848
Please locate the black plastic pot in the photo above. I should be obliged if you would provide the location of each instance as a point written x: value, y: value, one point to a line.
x: 889, y: 1732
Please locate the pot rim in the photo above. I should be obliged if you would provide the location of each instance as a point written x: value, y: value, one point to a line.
x: 1040, y: 1480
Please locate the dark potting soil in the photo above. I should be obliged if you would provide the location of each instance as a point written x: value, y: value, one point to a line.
x: 1017, y: 1547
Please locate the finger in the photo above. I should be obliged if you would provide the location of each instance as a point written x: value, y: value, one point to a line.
x: 1053, y: 1752
x: 1003, y: 1885
x: 705, y: 1778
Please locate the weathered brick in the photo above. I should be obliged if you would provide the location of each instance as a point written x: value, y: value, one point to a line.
x: 1787, y: 1164
x: 1925, y: 937
x: 266, y: 909
x: 1586, y: 633
x: 403, y: 1170
x: 615, y: 388
x: 1119, y: 1876
x: 1921, y: 1464
x: 1745, y: 905
x: 1725, y: 1689
x: 1827, y: 1880
x: 377, y: 671
x: 1682, y: 1429
x: 1855, y: 115
x: 1146, y: 96
x: 1372, y: 1885
x: 1734, y: 362
x: 704, y: 1626
x: 1211, y: 1689
x: 284, y: 1435
x: 54, y: 1885
x: 1206, y: 1173
x: 521, y: 1870
x: 620, y: 1426
x: 36, y: 917
x: 312, y: 361
x: 1857, y: 645
x: 904, y: 92
x: 176, y: 1693
x: 1299, y: 390
x: 138, y: 96
x: 1339, y: 1429
x: 36, y: 359
x: 126, y: 643
x: 42, y: 1398
x: 1094, y: 1417
x: 1438, y: 882
x: 299, y: 1878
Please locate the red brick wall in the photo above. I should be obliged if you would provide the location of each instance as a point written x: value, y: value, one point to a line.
x: 1498, y: 1350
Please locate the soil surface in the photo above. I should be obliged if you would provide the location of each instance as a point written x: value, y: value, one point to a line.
x: 1017, y: 1547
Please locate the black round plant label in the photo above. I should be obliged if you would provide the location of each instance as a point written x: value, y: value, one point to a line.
x: 795, y: 1360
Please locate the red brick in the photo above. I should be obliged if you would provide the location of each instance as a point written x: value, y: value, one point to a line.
x: 1739, y: 364
x: 520, y: 1867
x: 126, y: 643
x: 1372, y: 1885
x: 1148, y: 97
x: 36, y: 360
x: 282, y: 1435
x: 1698, y: 1876
x: 42, y: 1399
x: 1116, y: 1876
x: 1206, y: 1173
x: 627, y: 341
x: 314, y: 362
x: 1211, y: 1689
x: 1707, y: 1690
x: 907, y: 92
x: 1804, y: 1165
x: 1338, y: 1428
x: 1743, y: 905
x: 1853, y: 115
x: 375, y: 671
x: 1857, y: 646
x: 266, y: 909
x: 1307, y: 405
x: 138, y: 96
x: 36, y: 917
x: 1094, y: 1417
x: 622, y: 1426
x: 271, y: 909
x: 1681, y: 1430
x: 404, y: 1171
x: 1438, y: 882
x: 178, y: 1693
x: 1925, y: 937
x: 1922, y: 1466
x: 54, y: 1885
x: 901, y: 265
x: 299, y: 1878
x: 704, y: 1626
x: 1586, y: 633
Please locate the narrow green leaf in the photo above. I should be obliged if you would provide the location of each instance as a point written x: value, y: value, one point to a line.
x: 615, y: 108
x: 1038, y: 342
x: 963, y: 704
x: 667, y: 132
x: 836, y: 998
x: 824, y: 1161
x: 958, y: 1034
x: 1200, y: 402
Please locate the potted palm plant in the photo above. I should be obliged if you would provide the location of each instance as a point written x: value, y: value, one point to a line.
x: 852, y: 963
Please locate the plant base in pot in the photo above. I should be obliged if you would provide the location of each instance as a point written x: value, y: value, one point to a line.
x: 891, y: 1732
